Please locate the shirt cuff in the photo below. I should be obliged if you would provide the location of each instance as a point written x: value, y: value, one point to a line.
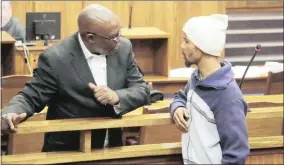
x: 116, y: 108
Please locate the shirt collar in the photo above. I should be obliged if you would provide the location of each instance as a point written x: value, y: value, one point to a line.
x: 86, y: 51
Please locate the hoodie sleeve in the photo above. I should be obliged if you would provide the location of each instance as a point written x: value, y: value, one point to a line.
x: 180, y: 100
x: 231, y: 125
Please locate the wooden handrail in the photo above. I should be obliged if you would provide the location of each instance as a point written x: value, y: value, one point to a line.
x: 93, y: 123
x: 122, y: 152
x: 85, y: 125
x: 264, y: 98
x: 162, y: 106
x: 126, y: 121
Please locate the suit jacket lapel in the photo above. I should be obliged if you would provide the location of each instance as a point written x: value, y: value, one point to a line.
x: 79, y: 62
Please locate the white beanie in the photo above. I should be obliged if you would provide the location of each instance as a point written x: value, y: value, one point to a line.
x: 208, y: 33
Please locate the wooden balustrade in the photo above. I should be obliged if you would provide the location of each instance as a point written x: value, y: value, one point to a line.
x: 85, y: 125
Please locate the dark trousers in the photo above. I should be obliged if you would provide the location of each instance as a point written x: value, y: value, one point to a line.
x: 69, y: 141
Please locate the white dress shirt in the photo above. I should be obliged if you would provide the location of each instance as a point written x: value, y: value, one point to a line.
x: 98, y: 67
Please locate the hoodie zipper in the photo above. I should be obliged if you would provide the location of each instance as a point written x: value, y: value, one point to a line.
x: 190, y: 123
x: 191, y: 105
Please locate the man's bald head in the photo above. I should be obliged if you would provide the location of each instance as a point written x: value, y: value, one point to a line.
x: 98, y: 19
x: 99, y: 28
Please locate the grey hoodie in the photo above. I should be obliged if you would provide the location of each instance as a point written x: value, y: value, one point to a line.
x: 217, y: 129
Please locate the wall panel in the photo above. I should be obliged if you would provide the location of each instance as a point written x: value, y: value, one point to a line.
x: 166, y: 15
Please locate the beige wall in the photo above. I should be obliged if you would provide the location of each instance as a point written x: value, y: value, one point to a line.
x: 168, y: 15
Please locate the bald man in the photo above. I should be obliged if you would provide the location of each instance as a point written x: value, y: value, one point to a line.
x: 92, y: 73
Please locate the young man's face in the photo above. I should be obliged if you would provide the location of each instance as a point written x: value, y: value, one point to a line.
x: 191, y: 54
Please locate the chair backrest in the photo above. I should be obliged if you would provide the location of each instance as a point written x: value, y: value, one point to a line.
x: 274, y: 83
x: 11, y: 85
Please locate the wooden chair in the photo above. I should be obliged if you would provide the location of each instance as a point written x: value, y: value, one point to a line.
x: 146, y: 133
x: 11, y: 86
x: 274, y: 83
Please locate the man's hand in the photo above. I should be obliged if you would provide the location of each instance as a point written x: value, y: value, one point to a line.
x: 181, y: 116
x: 104, y: 95
x: 10, y: 121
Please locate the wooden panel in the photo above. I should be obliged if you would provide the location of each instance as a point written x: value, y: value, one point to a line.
x: 6, y: 38
x: 126, y: 121
x: 27, y: 143
x: 172, y: 85
x: 143, y: 33
x: 69, y: 13
x: 21, y: 68
x: 85, y: 140
x: 105, y: 154
x: 161, y: 66
x: 184, y: 11
x: 269, y: 126
x: 155, y: 107
x: 7, y: 54
x: 146, y: 134
x: 111, y: 153
x: 19, y: 9
x: 169, y: 16
x: 162, y: 16
x: 144, y: 54
x: 266, y: 98
x: 120, y: 8
x: 169, y: 88
x: 92, y: 123
x: 266, y: 142
x: 151, y: 56
x: 266, y: 156
x: 254, y: 4
x: 11, y: 85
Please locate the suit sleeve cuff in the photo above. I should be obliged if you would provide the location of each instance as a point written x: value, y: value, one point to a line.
x: 174, y: 106
x: 117, y: 108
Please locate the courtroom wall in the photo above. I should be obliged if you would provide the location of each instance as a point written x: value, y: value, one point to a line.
x: 167, y: 15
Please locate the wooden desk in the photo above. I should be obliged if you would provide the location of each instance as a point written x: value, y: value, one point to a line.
x: 150, y: 44
x: 162, y: 106
x: 7, y: 38
x: 143, y: 33
x: 21, y: 68
x: 7, y: 54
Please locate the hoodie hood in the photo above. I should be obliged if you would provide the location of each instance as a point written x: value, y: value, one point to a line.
x: 218, y: 80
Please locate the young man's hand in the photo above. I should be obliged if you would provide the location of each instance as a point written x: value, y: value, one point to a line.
x: 181, y: 116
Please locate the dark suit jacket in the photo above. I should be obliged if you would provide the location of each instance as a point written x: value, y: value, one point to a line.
x: 61, y: 80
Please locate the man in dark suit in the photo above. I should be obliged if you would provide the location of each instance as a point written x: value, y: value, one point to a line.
x: 92, y: 73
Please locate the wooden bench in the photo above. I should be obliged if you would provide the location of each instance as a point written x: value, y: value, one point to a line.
x: 272, y: 140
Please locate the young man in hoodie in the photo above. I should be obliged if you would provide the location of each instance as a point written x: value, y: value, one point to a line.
x: 210, y: 110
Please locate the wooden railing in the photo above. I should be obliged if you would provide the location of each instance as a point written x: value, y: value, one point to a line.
x: 273, y: 138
